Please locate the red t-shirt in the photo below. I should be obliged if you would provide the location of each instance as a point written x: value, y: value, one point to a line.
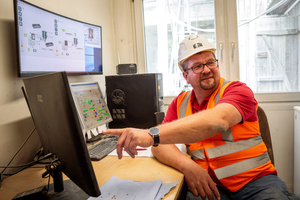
x: 237, y: 94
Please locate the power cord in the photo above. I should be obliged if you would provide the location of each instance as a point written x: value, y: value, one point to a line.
x: 24, y: 166
x: 5, y: 167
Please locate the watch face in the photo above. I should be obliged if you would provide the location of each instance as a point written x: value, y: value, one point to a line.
x: 154, y: 131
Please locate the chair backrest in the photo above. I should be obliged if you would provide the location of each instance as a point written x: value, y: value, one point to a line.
x: 159, y: 116
x: 265, y: 131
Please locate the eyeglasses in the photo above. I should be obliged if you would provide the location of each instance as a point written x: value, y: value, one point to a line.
x: 200, y: 68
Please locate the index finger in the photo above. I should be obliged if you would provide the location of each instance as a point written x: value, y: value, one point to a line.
x: 117, y: 132
x: 215, y: 191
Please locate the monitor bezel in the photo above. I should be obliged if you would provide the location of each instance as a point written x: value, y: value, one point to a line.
x: 61, y: 136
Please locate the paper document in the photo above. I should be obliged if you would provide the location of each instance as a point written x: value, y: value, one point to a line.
x: 95, y: 133
x: 101, y: 128
x: 146, y: 152
x: 142, y: 152
x: 165, y: 189
x: 116, y: 188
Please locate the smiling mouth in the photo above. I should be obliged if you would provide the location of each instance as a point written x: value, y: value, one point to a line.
x: 206, y: 78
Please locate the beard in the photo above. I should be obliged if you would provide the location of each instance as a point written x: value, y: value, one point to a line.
x: 208, y: 85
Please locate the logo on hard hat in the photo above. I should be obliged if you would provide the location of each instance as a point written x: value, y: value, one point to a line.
x: 197, y: 45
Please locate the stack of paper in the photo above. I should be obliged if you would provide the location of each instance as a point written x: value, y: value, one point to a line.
x: 116, y: 188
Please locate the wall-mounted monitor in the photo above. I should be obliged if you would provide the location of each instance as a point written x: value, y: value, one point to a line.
x: 48, y: 42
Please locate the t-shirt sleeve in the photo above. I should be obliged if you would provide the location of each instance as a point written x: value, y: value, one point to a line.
x: 241, y: 96
x: 171, y: 112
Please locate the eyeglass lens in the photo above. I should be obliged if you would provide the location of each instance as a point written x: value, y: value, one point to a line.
x: 210, y: 65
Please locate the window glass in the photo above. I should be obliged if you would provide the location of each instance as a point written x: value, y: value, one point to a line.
x: 166, y: 24
x: 268, y: 44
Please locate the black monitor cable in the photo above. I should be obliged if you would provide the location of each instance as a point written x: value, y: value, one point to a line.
x: 19, y: 150
x: 5, y: 167
x: 24, y: 166
x: 49, y: 170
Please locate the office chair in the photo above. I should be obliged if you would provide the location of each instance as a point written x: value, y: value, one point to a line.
x: 159, y: 116
x: 265, y: 131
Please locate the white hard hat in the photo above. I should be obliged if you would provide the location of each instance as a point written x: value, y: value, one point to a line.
x: 191, y: 45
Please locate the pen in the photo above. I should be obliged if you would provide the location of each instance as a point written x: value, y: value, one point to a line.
x: 139, y: 149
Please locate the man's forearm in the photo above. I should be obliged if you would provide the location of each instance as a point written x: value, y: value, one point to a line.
x: 200, y: 126
x: 194, y: 128
x: 170, y: 155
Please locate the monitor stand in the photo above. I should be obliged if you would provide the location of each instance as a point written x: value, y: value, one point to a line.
x: 71, y: 191
x: 60, y: 189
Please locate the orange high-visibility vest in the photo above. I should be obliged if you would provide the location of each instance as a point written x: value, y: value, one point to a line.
x: 237, y: 155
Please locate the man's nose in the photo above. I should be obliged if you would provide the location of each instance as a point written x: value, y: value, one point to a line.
x: 206, y: 69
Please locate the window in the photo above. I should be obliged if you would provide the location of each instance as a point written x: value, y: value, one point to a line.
x: 268, y: 44
x: 166, y: 24
x: 257, y: 42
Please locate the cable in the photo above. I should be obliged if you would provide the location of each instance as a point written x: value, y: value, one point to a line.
x: 266, y: 12
x: 18, y: 150
x: 30, y: 163
x: 2, y: 173
x: 23, y: 167
x: 48, y: 183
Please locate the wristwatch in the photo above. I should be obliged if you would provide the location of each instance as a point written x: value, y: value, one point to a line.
x: 154, y: 132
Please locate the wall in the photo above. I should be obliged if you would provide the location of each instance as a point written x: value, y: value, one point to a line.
x: 15, y: 120
x: 130, y: 49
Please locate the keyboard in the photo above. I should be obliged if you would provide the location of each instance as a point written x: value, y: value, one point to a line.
x: 103, y: 148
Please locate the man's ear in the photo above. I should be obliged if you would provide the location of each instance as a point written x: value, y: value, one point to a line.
x: 184, y: 74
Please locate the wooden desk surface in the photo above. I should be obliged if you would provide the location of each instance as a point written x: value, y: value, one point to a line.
x: 138, y: 169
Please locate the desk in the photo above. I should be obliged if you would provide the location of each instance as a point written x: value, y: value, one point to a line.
x: 138, y: 169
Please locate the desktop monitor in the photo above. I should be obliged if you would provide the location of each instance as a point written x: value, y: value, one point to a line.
x: 91, y: 106
x: 58, y: 126
x: 48, y: 42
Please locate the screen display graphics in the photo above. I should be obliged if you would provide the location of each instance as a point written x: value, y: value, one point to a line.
x: 48, y: 42
x: 91, y: 105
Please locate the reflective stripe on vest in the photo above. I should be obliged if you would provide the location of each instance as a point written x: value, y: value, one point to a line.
x: 242, y: 166
x: 184, y: 105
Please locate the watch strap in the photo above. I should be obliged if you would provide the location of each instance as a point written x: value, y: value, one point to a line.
x: 156, y: 140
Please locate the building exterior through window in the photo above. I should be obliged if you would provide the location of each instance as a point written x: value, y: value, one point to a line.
x: 268, y: 40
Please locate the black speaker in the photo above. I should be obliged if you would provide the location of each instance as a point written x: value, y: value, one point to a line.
x: 134, y: 100
x: 126, y: 68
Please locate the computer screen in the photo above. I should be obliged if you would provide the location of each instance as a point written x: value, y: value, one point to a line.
x: 91, y: 105
x: 48, y: 42
x: 58, y: 126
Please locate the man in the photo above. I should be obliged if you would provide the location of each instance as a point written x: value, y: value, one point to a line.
x: 217, y: 121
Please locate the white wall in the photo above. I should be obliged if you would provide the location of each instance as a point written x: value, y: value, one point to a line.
x: 15, y: 120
